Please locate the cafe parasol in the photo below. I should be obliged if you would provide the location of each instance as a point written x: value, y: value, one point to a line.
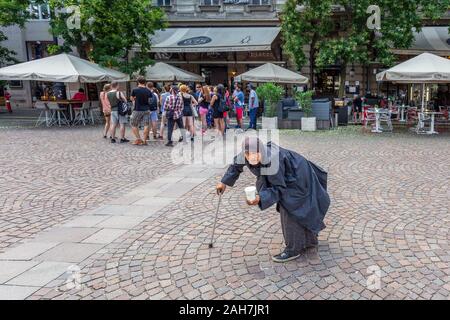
x: 423, y: 69
x: 62, y: 68
x: 161, y: 71
x: 270, y: 72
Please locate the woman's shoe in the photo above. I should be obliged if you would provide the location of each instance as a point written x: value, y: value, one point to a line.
x: 138, y: 142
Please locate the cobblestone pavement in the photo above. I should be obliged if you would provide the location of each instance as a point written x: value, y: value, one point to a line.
x: 389, y: 216
x: 47, y: 176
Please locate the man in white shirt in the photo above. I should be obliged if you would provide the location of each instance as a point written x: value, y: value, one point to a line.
x: 253, y: 106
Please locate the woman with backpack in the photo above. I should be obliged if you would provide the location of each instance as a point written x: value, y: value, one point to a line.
x: 115, y: 97
x: 217, y: 105
x: 189, y: 103
x: 154, y: 104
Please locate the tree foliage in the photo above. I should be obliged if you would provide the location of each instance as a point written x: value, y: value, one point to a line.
x: 108, y: 31
x: 12, y: 12
x: 341, y: 36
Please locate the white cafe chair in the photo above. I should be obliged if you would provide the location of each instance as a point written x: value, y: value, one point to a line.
x: 44, y: 115
x: 58, y: 114
x: 81, y: 114
x: 423, y: 119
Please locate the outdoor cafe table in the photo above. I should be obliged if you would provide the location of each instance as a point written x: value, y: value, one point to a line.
x: 378, y: 113
x: 432, y: 114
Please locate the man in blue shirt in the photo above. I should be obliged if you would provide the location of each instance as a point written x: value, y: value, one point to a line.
x: 238, y: 99
x: 253, y: 106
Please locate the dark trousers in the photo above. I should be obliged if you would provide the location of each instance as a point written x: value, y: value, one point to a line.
x: 170, y: 124
x: 296, y: 237
x: 253, y: 113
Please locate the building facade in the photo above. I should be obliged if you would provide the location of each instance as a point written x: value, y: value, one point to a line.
x: 221, y: 39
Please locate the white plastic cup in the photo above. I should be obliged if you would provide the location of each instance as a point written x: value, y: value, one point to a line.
x: 250, y: 192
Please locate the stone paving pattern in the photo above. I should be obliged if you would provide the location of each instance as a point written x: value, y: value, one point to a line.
x: 49, y: 175
x: 391, y: 200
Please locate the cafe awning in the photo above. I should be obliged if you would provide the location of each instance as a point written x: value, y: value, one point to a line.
x: 61, y: 68
x: 434, y: 40
x: 214, y: 39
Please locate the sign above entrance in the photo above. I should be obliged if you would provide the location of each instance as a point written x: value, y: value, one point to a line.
x: 195, y: 41
x: 236, y: 1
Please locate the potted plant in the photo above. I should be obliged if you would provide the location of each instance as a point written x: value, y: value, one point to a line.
x: 304, y: 100
x: 271, y: 94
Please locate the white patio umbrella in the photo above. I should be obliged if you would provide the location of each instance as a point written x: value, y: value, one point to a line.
x: 270, y: 72
x: 161, y: 71
x: 424, y: 68
x: 61, y: 68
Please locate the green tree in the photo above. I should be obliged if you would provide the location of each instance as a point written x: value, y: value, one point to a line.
x: 107, y: 31
x: 12, y: 12
x: 337, y: 30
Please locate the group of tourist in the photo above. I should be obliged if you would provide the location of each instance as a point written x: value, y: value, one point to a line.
x: 179, y: 106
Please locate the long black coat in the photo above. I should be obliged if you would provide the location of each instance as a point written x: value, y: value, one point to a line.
x: 297, y: 185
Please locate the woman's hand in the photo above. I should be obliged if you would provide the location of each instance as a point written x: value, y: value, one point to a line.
x: 254, y: 202
x: 220, y: 189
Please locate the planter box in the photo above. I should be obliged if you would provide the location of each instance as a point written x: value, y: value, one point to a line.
x: 295, y: 114
x: 309, y: 124
x: 270, y: 123
x: 289, y: 124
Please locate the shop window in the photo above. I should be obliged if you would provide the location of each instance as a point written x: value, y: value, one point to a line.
x: 260, y: 2
x: 164, y: 3
x: 39, y: 11
x: 211, y: 2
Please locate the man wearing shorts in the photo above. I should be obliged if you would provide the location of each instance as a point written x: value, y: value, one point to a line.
x: 141, y: 113
x: 114, y: 96
x: 238, y: 98
x: 154, y: 103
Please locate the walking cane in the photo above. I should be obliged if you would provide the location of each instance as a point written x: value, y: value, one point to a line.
x: 215, y: 222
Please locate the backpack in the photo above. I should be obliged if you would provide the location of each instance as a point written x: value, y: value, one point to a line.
x: 123, y: 108
x: 223, y: 107
x: 153, y: 102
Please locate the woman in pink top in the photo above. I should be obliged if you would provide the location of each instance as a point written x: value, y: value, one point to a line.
x: 106, y: 107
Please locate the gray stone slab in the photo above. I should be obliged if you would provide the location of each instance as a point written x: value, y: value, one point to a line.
x: 11, y: 269
x: 65, y: 234
x: 143, y: 192
x: 41, y: 274
x: 27, y: 251
x: 156, y: 203
x: 195, y: 180
x: 105, y: 236
x: 16, y: 292
x: 177, y: 190
x: 130, y: 210
x: 70, y: 252
x: 126, y: 200
x: 121, y: 222
x: 85, y: 221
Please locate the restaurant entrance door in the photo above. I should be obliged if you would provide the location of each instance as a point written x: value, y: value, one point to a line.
x: 328, y: 82
x: 215, y: 75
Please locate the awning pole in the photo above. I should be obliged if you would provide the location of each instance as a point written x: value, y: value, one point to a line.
x: 423, y: 97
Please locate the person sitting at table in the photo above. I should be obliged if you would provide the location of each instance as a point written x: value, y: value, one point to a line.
x: 79, y: 96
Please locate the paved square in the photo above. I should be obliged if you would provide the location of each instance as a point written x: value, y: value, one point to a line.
x: 389, y: 221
